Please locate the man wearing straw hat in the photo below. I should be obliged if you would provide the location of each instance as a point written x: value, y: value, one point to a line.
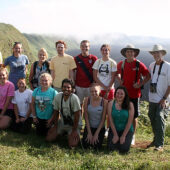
x: 130, y: 70
x: 159, y: 95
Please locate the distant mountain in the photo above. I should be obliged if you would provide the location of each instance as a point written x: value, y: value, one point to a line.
x: 48, y: 42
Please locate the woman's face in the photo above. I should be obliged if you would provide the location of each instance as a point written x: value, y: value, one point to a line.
x: 120, y: 95
x: 41, y: 56
x: 95, y: 91
x: 45, y: 82
x: 21, y: 85
x: 105, y: 52
x: 17, y: 49
x: 3, y: 76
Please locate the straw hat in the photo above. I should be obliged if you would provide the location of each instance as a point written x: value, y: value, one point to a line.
x: 157, y: 48
x: 130, y: 47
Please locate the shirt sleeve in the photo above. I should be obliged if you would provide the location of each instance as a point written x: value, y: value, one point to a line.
x: 30, y: 96
x: 114, y: 66
x: 144, y: 69
x: 11, y: 90
x: 52, y: 64
x: 168, y: 74
x: 34, y: 92
x: 27, y: 61
x: 6, y: 62
x: 14, y: 99
x: 119, y: 65
x: 96, y: 64
x: 72, y: 64
x: 75, y: 103
x: 56, y: 102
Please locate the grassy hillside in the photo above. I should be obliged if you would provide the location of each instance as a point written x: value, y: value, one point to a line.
x: 48, y: 42
x: 9, y: 35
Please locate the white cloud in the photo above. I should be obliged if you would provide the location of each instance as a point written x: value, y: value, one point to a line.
x: 89, y: 17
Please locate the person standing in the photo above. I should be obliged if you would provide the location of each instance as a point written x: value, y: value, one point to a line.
x: 17, y: 63
x: 61, y: 66
x: 39, y: 67
x: 84, y: 71
x: 159, y: 94
x: 129, y: 73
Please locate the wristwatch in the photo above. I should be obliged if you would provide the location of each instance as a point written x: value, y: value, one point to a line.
x: 34, y: 117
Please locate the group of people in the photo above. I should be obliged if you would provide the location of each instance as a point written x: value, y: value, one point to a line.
x: 67, y: 88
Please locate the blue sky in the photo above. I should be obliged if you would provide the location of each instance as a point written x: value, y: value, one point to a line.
x: 84, y: 18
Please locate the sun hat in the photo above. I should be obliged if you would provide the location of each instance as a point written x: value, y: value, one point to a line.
x: 157, y: 48
x: 130, y: 47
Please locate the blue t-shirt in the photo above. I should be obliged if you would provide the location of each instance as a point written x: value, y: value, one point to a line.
x: 43, y: 102
x: 17, y: 67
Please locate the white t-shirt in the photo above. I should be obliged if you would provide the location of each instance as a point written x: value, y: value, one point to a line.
x: 105, y: 69
x: 22, y: 100
x: 163, y: 81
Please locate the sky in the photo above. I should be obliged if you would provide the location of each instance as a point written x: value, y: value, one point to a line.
x: 85, y: 18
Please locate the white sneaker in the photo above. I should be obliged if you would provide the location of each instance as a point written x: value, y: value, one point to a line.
x: 133, y: 140
x: 106, y: 132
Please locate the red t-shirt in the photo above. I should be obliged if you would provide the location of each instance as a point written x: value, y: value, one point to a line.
x: 129, y: 76
x: 81, y: 78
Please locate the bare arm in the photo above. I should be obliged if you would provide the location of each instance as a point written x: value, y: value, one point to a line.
x: 7, y: 102
x: 110, y: 118
x: 53, y: 74
x: 76, y: 120
x: 16, y: 112
x: 86, y: 116
x: 130, y: 120
x: 29, y: 111
x: 71, y: 75
x: 103, y: 117
x: 112, y: 80
x: 97, y: 80
x: 162, y: 101
x: 31, y: 76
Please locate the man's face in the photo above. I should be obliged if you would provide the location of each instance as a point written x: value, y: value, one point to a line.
x: 157, y: 55
x: 60, y: 49
x: 85, y: 47
x: 130, y: 53
x: 67, y: 89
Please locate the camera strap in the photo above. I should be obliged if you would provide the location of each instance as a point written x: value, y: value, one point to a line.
x: 159, y: 71
x: 69, y: 105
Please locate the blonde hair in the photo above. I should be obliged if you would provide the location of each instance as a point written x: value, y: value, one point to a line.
x: 48, y: 76
x: 44, y: 51
x: 4, y: 69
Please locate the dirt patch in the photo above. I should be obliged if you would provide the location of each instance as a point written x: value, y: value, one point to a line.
x: 141, y: 144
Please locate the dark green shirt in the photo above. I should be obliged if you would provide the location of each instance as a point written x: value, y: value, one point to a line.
x: 120, y: 118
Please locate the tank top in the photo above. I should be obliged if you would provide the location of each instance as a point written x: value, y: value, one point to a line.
x: 95, y: 114
x: 120, y: 118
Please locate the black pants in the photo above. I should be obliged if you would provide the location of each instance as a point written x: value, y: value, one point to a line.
x: 122, y: 148
x: 41, y: 127
x: 22, y: 127
x: 100, y: 138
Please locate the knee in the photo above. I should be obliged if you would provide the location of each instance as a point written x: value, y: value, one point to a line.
x: 73, y: 143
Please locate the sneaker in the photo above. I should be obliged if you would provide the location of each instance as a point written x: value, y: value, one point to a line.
x: 106, y: 132
x: 133, y: 140
x: 150, y: 145
x: 159, y: 148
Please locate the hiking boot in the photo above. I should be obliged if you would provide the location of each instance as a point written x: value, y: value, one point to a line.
x: 159, y: 148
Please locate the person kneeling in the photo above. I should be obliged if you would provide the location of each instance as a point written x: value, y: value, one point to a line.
x: 121, y: 114
x: 94, y: 114
x: 67, y: 105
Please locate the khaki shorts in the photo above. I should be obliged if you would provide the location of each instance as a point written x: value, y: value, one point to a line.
x: 61, y: 128
x: 82, y: 93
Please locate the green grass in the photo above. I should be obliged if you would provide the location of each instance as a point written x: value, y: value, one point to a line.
x: 32, y: 152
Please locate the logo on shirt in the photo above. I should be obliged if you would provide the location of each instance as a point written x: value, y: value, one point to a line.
x: 104, y: 69
x: 42, y: 102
